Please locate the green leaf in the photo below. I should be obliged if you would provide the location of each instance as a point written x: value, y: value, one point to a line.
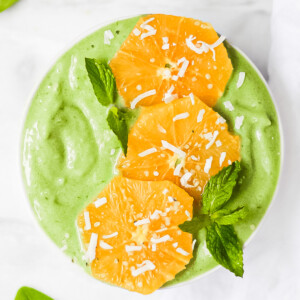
x: 219, y: 188
x: 120, y: 121
x: 195, y: 224
x: 103, y: 81
x: 225, y: 247
x: 227, y: 217
x: 4, y: 4
x: 27, y: 293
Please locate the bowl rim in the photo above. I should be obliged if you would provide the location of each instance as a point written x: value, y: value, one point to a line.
x: 35, y: 88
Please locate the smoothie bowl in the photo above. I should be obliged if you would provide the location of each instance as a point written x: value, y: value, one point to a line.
x: 151, y: 152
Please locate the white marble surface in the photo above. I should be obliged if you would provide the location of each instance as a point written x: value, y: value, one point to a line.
x: 33, y: 32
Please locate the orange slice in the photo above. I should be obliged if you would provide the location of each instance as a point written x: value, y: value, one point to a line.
x: 166, y: 57
x: 185, y: 142
x: 131, y: 233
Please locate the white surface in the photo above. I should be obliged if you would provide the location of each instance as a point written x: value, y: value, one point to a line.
x: 34, y: 31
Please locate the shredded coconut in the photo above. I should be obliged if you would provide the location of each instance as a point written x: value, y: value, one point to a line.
x: 172, y: 148
x: 105, y: 246
x: 200, y: 115
x: 108, y: 36
x: 147, y: 265
x: 240, y: 79
x: 191, y: 95
x: 181, y: 251
x: 222, y: 158
x: 100, y: 201
x: 141, y: 97
x: 215, y: 134
x: 133, y: 248
x: 87, y: 220
x: 142, y: 222
x: 239, y: 122
x: 204, y: 46
x: 228, y: 105
x: 181, y: 116
x: 163, y: 239
x: 110, y: 235
x: 208, y: 164
x: 147, y: 152
x: 91, y: 252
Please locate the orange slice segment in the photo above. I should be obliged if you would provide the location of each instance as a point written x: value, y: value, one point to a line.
x: 185, y: 142
x: 166, y: 57
x: 131, y: 233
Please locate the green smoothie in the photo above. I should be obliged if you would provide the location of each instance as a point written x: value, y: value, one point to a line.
x: 69, y: 153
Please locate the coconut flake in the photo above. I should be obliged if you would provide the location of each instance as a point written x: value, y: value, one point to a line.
x: 177, y: 169
x: 168, y: 96
x: 136, y: 32
x: 153, y: 247
x: 187, y: 214
x: 172, y: 148
x: 204, y: 46
x: 150, y: 30
x: 142, y: 222
x: 185, y: 178
x: 215, y: 134
x: 100, y: 201
x: 108, y: 36
x: 218, y: 143
x: 181, y: 251
x: 181, y: 116
x: 147, y: 152
x: 105, y: 246
x: 91, y: 252
x: 220, y: 120
x: 185, y: 64
x: 191, y: 95
x: 163, y: 239
x: 141, y: 97
x: 170, y: 199
x: 165, y: 191
x: 175, y: 245
x: 239, y: 122
x: 161, y: 129
x: 228, y: 105
x: 208, y: 164
x: 193, y: 157
x: 200, y: 115
x: 165, y: 45
x: 110, y: 235
x: 133, y: 248
x: 87, y: 220
x: 222, y: 158
x: 240, y: 79
x: 147, y: 265
x: 194, y: 242
x: 156, y: 214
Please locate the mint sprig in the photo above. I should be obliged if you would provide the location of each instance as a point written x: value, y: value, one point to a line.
x: 219, y: 188
x: 28, y: 293
x: 102, y: 80
x: 221, y: 238
x: 224, y: 245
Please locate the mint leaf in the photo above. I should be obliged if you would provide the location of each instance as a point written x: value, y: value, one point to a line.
x: 4, y: 4
x: 227, y: 217
x: 225, y: 247
x: 27, y: 293
x: 102, y: 79
x: 119, y: 121
x: 219, y: 188
x: 195, y: 224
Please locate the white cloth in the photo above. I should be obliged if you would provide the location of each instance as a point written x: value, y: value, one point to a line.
x: 33, y: 31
